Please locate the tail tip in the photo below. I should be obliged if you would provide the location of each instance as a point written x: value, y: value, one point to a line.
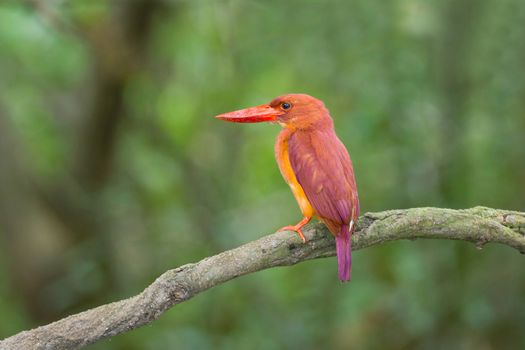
x: 344, y: 277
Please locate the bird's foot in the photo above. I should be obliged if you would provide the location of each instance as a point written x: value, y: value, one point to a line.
x: 297, y: 228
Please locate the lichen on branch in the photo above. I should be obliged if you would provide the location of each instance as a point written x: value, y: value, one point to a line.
x: 478, y: 225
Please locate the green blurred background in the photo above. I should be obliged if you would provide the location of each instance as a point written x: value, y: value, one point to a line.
x: 112, y: 169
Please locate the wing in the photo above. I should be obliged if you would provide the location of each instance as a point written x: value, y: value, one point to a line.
x: 324, y: 170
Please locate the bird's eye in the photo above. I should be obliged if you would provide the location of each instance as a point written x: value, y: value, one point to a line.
x: 286, y: 105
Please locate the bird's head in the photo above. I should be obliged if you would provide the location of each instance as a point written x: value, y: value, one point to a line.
x: 293, y: 111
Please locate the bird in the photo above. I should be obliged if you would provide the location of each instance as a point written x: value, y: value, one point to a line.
x: 315, y: 164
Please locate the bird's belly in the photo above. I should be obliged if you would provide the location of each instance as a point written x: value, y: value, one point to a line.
x: 283, y: 160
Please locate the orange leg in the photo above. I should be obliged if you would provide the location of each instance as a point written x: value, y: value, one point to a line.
x: 297, y: 228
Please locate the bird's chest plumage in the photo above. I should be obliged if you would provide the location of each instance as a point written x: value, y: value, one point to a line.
x: 283, y: 161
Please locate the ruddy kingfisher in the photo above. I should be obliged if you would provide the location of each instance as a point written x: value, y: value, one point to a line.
x: 315, y: 164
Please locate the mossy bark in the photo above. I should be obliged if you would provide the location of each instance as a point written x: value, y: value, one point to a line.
x: 478, y: 225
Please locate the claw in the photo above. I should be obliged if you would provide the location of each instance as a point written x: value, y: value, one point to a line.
x: 297, y: 228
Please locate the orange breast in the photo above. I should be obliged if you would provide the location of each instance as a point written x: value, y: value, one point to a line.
x: 283, y: 160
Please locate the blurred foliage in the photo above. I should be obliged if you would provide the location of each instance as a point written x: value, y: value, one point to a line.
x: 113, y: 169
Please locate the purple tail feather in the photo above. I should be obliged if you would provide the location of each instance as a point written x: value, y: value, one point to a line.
x: 344, y: 253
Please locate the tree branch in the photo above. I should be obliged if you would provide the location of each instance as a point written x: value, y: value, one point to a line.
x: 478, y: 225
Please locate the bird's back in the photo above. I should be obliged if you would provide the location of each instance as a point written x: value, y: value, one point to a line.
x: 324, y: 170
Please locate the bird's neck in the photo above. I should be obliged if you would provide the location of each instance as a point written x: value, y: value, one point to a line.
x: 310, y: 124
